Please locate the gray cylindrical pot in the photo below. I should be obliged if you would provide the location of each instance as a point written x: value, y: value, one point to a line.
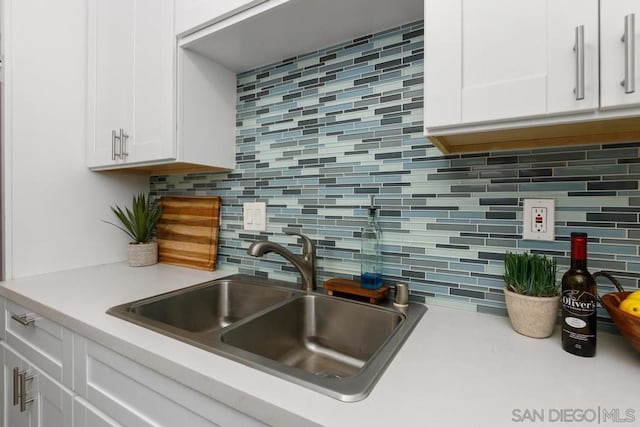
x: 534, y: 317
x: 143, y: 254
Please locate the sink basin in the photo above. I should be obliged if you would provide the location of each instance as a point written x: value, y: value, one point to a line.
x: 334, y: 346
x: 203, y: 308
x: 319, y: 335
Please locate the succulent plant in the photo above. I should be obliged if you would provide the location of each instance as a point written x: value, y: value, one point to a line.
x: 140, y: 221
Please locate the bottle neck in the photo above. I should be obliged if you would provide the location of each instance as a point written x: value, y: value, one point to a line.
x: 578, y: 264
x: 372, y: 214
x: 579, y: 252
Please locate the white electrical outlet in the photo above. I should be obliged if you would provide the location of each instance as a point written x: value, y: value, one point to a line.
x: 539, y: 219
x: 254, y: 216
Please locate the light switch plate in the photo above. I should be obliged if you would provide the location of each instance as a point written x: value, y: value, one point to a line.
x: 539, y: 219
x: 254, y: 216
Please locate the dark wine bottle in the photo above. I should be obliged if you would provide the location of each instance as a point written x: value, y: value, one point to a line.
x: 579, y: 302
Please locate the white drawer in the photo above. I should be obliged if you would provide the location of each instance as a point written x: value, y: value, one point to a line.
x: 45, y: 343
x: 134, y: 395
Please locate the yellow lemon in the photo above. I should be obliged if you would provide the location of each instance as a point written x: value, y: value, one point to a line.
x: 634, y: 295
x: 631, y: 306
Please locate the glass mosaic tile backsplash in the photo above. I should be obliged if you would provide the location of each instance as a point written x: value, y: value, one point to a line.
x: 318, y: 134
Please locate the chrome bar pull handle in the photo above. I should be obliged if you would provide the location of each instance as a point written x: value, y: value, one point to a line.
x: 23, y: 391
x: 629, y: 82
x: 579, y: 50
x: 16, y: 386
x: 115, y: 154
x: 23, y: 319
x: 123, y: 144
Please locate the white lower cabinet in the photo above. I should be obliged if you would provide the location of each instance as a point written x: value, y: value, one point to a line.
x: 134, y: 395
x: 47, y: 344
x: 53, y: 377
x: 31, y: 397
x: 85, y: 415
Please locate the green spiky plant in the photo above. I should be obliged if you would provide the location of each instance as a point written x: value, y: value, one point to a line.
x: 531, y: 274
x: 140, y: 221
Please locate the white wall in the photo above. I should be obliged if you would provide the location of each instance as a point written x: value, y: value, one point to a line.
x: 53, y: 203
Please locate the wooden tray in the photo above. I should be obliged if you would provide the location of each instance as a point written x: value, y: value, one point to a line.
x: 352, y: 287
x: 188, y: 231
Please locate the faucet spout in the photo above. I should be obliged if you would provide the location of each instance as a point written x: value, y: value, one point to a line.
x: 305, y: 264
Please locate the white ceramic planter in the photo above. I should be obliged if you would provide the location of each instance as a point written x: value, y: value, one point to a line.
x: 532, y: 316
x: 143, y: 254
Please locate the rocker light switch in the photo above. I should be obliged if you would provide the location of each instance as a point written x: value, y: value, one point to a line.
x: 255, y: 216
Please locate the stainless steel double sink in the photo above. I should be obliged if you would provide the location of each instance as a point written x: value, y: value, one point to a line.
x: 334, y: 346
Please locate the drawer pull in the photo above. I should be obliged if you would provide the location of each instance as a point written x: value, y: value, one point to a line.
x: 23, y: 319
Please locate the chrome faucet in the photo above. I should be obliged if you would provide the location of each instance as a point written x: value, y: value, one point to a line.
x: 306, y: 264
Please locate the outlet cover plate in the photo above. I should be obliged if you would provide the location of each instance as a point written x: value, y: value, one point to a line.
x: 539, y: 219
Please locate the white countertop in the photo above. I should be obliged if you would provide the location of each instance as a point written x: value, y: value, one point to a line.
x: 456, y: 368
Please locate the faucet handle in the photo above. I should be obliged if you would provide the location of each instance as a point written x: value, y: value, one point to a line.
x: 307, y: 245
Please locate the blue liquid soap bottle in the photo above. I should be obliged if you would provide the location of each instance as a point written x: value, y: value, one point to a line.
x: 371, y: 263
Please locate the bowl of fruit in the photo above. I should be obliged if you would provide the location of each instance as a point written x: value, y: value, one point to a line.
x: 624, y: 309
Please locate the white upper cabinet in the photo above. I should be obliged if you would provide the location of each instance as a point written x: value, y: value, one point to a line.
x: 151, y: 106
x: 130, y: 82
x: 620, y: 53
x: 193, y: 14
x: 503, y: 74
x: 496, y: 59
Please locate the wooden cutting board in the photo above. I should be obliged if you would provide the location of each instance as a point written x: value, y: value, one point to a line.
x: 187, y: 233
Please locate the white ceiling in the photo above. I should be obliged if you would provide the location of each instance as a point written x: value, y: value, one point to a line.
x: 301, y: 26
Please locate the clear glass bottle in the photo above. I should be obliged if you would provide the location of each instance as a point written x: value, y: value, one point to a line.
x: 371, y: 262
x: 579, y: 302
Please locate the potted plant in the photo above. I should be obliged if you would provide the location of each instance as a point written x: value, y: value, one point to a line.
x: 532, y: 293
x: 139, y: 223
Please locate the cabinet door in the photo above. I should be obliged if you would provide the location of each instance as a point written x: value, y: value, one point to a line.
x: 153, y: 134
x: 85, y: 415
x: 51, y: 402
x: 500, y: 59
x: 110, y: 78
x: 617, y: 55
x: 566, y: 70
x: 12, y: 415
x: 131, y: 87
x: 191, y: 14
x: 134, y: 395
